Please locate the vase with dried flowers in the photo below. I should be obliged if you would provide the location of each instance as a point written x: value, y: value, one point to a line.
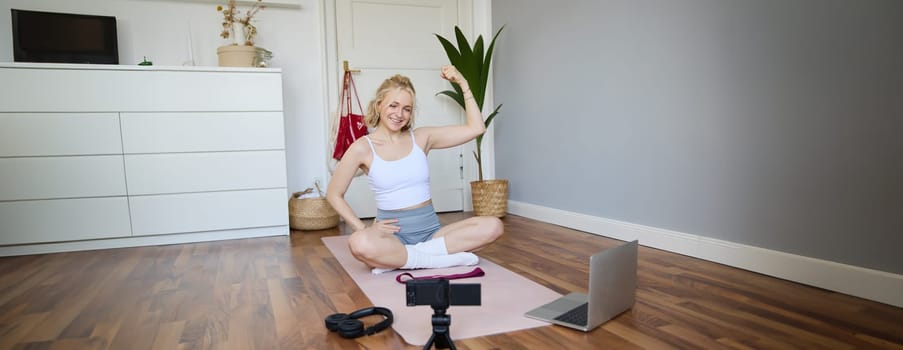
x: 241, y: 52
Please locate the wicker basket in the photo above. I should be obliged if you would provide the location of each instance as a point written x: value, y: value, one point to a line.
x: 490, y: 197
x: 311, y: 213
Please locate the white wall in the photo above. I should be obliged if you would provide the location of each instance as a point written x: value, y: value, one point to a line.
x: 159, y: 30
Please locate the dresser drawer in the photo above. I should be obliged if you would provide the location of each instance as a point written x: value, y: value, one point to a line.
x: 202, y: 132
x: 208, y: 211
x: 61, y: 177
x: 128, y: 88
x: 196, y: 172
x: 63, y: 220
x: 53, y: 134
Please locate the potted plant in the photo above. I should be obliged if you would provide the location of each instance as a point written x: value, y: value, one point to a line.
x: 490, y: 197
x: 241, y: 52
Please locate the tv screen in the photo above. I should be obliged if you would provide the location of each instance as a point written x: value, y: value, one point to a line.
x: 64, y: 38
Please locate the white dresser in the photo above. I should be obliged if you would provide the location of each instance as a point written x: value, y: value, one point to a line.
x: 98, y: 156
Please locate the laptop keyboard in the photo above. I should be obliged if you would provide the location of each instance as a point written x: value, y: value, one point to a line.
x: 575, y: 316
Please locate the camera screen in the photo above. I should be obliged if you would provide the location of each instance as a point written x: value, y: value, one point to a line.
x: 440, y: 293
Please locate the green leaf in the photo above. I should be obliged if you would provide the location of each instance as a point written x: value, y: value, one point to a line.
x: 463, y: 45
x: 454, y: 56
x: 486, y: 124
x: 484, y: 74
x: 467, y: 65
x: 479, y: 86
x: 454, y: 95
x: 492, y: 116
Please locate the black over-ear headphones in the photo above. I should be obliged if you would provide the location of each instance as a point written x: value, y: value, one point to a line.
x: 349, y: 326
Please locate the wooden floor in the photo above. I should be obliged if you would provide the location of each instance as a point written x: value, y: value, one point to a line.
x: 273, y: 293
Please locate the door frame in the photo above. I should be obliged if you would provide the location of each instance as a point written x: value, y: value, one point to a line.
x: 477, y: 21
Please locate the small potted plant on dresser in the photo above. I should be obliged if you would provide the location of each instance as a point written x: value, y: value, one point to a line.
x: 490, y: 197
x: 241, y: 29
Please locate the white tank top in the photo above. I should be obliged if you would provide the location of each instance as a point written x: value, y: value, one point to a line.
x: 400, y: 183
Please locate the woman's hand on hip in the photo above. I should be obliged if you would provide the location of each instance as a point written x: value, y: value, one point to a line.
x: 385, y: 226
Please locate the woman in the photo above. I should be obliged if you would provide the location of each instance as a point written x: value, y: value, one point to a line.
x: 406, y: 232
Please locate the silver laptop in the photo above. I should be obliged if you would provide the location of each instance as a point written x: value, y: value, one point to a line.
x: 612, y: 290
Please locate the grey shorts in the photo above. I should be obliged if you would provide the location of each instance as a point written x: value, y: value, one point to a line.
x: 417, y: 225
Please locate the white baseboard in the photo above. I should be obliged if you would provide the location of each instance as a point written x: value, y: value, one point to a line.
x: 138, y: 241
x: 880, y: 286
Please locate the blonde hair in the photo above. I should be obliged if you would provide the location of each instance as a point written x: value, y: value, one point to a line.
x: 395, y: 82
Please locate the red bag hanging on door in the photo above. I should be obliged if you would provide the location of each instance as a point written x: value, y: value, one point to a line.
x: 351, y: 126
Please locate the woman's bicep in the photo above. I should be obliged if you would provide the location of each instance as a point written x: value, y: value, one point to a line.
x: 448, y: 136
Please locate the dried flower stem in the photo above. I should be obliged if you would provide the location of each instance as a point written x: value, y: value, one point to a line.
x: 231, y: 16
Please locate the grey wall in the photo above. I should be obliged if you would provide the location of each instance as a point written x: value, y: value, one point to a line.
x: 772, y: 123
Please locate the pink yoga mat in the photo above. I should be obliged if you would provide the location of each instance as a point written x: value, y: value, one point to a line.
x: 506, y: 296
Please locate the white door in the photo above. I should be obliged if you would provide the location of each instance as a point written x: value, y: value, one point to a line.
x: 386, y: 37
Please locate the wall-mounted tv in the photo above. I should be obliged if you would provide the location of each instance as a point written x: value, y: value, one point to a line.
x: 64, y: 37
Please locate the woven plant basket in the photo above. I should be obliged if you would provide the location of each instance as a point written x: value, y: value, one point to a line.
x: 490, y: 197
x: 311, y: 213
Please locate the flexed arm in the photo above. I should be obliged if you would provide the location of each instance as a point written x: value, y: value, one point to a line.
x: 454, y: 135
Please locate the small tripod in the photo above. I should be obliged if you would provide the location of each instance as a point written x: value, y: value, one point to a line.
x: 438, y: 294
x: 441, y: 324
